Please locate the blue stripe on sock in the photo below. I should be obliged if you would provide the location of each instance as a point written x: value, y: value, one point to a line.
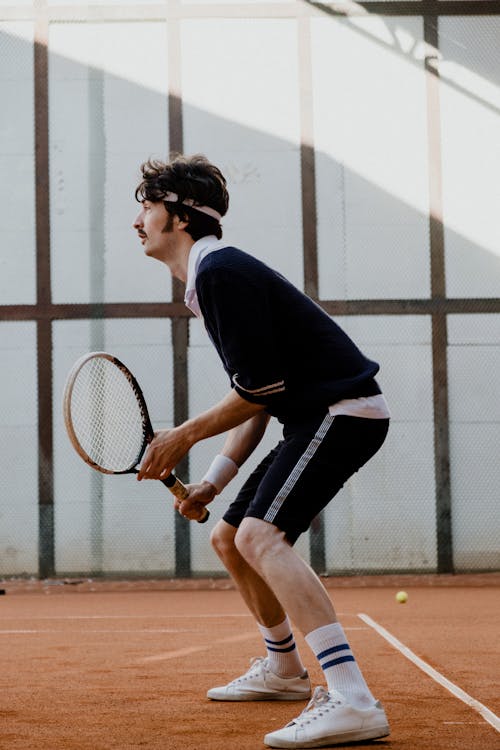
x: 334, y: 662
x: 280, y: 643
x: 281, y: 650
x: 333, y: 650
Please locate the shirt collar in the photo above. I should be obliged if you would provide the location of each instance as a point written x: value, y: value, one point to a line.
x: 199, y: 250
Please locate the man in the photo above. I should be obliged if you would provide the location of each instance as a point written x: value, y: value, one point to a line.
x: 287, y: 359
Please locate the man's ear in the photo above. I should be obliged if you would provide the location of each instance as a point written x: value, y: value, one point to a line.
x: 182, y: 222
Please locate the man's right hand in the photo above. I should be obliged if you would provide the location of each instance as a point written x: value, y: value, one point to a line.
x: 199, y: 496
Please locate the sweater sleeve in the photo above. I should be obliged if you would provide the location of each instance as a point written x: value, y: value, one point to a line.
x: 238, y: 317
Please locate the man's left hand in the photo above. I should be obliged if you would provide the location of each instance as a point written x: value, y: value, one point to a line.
x: 165, y: 451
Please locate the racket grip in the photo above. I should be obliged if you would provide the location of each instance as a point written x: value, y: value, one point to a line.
x: 179, y: 490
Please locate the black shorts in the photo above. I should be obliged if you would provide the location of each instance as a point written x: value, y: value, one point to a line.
x: 300, y: 476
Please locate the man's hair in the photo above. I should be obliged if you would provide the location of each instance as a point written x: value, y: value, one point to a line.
x: 189, y: 178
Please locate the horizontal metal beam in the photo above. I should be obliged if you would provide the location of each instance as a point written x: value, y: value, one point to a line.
x: 411, y: 306
x: 409, y: 8
x: 449, y: 306
x: 300, y: 8
x: 94, y: 311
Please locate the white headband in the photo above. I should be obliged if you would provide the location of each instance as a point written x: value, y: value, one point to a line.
x: 190, y: 202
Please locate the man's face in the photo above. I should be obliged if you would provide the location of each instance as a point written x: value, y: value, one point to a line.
x: 154, y: 226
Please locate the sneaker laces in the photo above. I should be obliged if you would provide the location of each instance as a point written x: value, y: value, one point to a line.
x: 258, y: 665
x: 321, y: 703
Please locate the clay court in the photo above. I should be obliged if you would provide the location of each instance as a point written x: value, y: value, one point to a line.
x: 360, y: 145
x: 122, y: 665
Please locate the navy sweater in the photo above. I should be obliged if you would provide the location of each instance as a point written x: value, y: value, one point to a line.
x: 279, y: 348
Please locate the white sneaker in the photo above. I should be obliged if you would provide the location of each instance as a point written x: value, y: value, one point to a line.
x: 328, y: 719
x: 260, y: 684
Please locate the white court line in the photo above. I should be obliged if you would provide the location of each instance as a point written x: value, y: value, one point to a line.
x: 483, y: 710
x: 348, y: 628
x: 120, y: 617
x: 31, y: 618
x: 144, y: 631
x: 194, y: 649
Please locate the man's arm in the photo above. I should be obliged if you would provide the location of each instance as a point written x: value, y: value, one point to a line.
x: 169, y: 446
x: 242, y: 440
x: 240, y: 443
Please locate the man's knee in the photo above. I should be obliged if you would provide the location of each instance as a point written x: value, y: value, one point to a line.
x: 222, y: 539
x: 256, y: 539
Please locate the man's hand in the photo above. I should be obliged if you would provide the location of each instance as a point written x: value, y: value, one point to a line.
x: 165, y: 451
x: 168, y: 447
x: 193, y: 505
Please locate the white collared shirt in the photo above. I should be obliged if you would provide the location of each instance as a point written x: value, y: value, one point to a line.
x: 369, y: 407
x: 199, y: 250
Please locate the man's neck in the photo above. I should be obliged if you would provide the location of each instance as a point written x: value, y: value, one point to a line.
x: 178, y: 264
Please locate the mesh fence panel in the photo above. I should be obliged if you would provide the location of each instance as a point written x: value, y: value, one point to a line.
x: 105, y: 416
x: 19, y: 450
x: 358, y: 225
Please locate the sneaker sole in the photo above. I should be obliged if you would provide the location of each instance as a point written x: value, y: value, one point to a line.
x: 374, y: 733
x: 259, y: 696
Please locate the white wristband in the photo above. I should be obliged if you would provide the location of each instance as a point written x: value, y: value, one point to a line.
x: 221, y: 471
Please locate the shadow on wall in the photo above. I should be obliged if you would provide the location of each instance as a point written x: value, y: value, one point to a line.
x: 108, y: 102
x: 371, y: 153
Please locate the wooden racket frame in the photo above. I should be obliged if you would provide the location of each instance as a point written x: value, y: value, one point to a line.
x: 172, y: 482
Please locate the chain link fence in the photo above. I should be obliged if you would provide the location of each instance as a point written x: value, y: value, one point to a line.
x: 362, y: 155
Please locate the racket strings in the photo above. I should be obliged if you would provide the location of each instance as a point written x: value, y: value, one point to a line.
x: 107, y: 416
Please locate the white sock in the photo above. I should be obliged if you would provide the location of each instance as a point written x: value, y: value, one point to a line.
x: 283, y: 656
x: 337, y: 661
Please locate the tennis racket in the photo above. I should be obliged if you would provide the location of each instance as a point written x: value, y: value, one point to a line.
x: 107, y: 419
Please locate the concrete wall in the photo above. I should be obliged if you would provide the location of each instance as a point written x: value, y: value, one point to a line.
x: 243, y: 104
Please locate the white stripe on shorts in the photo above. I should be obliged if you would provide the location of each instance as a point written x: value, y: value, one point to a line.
x: 301, y: 464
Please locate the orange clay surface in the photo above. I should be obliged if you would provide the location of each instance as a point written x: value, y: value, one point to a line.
x: 126, y: 665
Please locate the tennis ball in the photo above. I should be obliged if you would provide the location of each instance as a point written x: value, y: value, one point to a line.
x: 402, y: 597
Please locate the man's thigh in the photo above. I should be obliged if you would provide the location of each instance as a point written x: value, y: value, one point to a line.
x: 300, y: 477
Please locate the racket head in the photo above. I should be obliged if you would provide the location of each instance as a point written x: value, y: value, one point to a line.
x: 105, y: 414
